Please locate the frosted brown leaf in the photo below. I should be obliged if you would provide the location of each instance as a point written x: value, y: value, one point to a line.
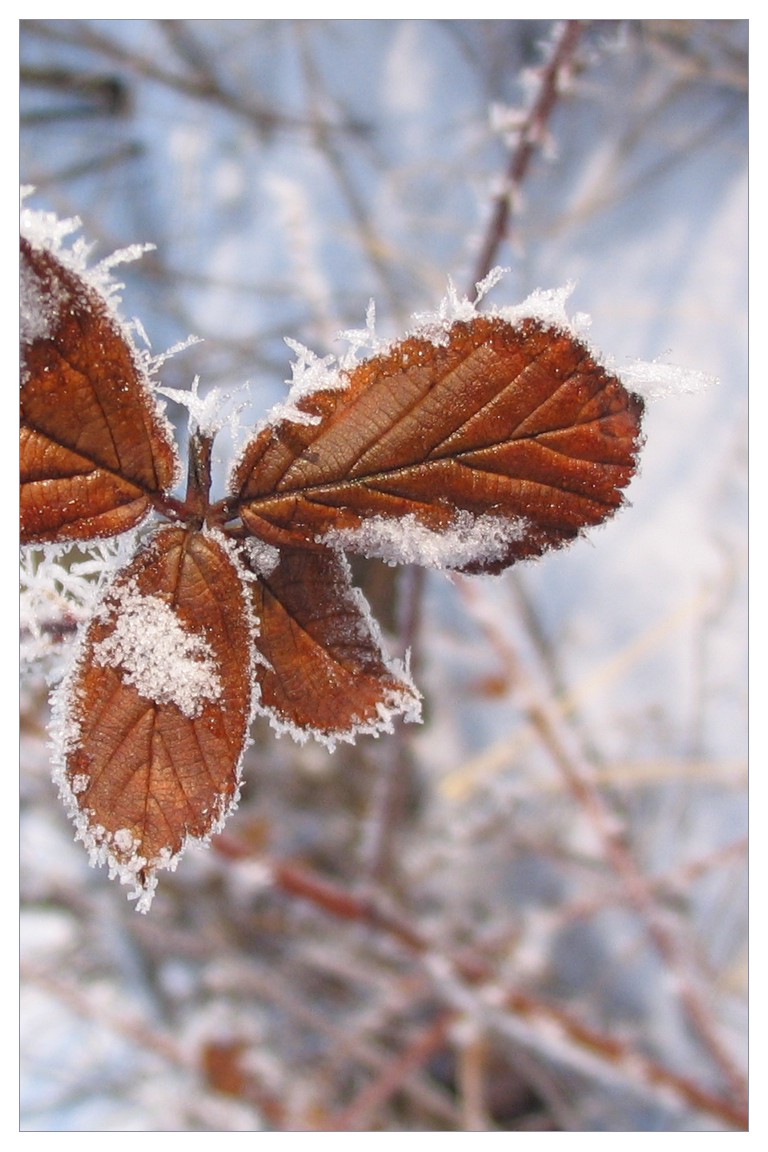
x: 517, y: 422
x: 325, y: 671
x: 159, y: 705
x: 93, y: 449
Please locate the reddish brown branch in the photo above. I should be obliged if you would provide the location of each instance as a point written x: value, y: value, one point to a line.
x: 638, y: 888
x: 531, y: 134
x: 473, y: 970
x: 358, y: 1114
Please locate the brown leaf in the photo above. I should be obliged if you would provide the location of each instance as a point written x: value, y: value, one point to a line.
x: 326, y: 673
x: 94, y: 448
x: 494, y: 446
x: 155, y: 717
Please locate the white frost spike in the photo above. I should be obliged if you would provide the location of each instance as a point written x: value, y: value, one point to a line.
x: 44, y: 229
x: 361, y: 339
x: 434, y: 326
x: 489, y: 282
x: 164, y: 663
x: 57, y: 590
x: 545, y: 305
x: 123, y: 256
x: 207, y: 414
x: 507, y: 121
x: 309, y: 374
x: 156, y: 362
x: 548, y: 305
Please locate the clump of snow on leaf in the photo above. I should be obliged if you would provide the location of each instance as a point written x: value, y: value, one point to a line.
x: 263, y: 557
x: 165, y: 663
x: 468, y: 539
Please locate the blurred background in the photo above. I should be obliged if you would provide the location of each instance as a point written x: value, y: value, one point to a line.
x: 529, y: 912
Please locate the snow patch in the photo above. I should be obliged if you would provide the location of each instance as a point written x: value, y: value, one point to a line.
x: 263, y: 558
x: 468, y: 539
x: 165, y: 663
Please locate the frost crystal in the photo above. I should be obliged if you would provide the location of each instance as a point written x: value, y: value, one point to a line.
x: 361, y: 339
x: 163, y: 662
x: 309, y: 373
x: 653, y: 381
x: 44, y: 229
x: 207, y: 414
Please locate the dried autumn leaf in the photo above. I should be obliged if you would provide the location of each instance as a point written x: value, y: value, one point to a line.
x: 94, y: 447
x: 492, y: 444
x: 154, y: 719
x: 326, y: 673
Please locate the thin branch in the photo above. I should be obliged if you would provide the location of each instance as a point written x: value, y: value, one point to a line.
x: 553, y: 733
x: 203, y: 86
x: 358, y: 1115
x: 471, y: 973
x: 531, y: 135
